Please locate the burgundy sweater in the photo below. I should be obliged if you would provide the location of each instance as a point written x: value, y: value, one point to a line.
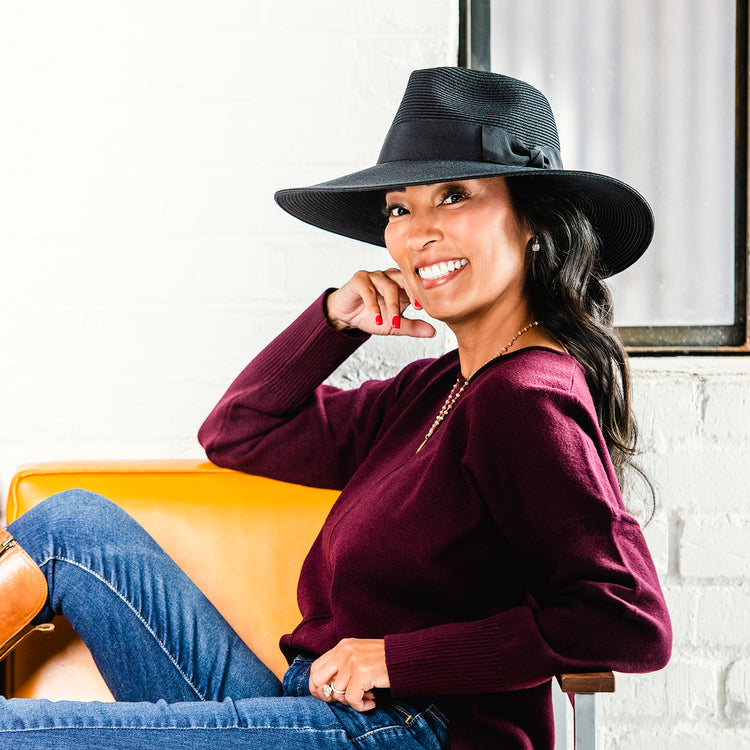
x: 496, y: 557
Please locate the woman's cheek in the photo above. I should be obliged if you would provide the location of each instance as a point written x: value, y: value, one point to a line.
x: 389, y: 238
x: 393, y: 244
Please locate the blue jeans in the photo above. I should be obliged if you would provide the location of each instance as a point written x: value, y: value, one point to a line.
x: 181, y: 676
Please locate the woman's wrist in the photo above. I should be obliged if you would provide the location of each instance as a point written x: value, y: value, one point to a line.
x: 333, y: 320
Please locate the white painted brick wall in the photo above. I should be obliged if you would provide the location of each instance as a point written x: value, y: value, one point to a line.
x: 738, y: 690
x: 144, y: 262
x: 694, y: 414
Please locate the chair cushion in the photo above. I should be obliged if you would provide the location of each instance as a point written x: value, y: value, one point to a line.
x: 241, y: 538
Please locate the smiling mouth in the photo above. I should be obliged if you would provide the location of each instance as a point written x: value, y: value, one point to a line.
x: 438, y: 270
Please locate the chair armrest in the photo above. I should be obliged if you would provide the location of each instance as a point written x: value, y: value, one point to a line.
x: 581, y: 689
x: 587, y: 682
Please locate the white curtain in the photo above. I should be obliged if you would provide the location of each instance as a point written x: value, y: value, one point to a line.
x: 644, y: 90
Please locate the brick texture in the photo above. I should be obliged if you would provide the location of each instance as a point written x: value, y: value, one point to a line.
x: 694, y: 415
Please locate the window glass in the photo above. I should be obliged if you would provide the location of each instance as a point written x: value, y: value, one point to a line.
x: 644, y: 90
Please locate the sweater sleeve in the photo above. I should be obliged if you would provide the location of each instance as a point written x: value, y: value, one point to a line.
x: 594, y: 601
x: 596, y: 612
x: 277, y: 420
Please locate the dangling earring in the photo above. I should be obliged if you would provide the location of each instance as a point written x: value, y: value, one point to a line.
x: 535, y: 246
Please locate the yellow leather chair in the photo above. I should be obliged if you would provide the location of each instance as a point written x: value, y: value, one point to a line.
x: 241, y: 538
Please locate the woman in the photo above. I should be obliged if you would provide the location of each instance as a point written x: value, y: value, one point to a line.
x: 479, y: 544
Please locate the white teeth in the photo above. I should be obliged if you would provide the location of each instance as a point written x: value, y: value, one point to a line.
x: 441, y: 269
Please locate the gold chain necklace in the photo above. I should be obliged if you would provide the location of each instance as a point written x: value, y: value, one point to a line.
x: 456, y: 391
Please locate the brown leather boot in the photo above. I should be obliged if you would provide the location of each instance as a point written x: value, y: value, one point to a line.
x: 23, y: 592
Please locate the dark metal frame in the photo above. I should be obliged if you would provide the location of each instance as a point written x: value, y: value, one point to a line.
x: 474, y: 52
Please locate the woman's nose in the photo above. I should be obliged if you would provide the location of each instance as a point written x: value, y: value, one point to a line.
x: 423, y: 229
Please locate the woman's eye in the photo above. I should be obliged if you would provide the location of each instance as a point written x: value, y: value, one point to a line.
x: 394, y: 211
x: 454, y: 198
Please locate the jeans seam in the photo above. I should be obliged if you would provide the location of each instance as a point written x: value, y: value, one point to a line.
x: 405, y: 714
x: 437, y: 715
x: 124, y: 728
x: 129, y: 604
x: 432, y: 710
x: 305, y: 672
x: 394, y: 728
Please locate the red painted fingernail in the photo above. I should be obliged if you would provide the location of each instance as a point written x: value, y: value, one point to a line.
x: 396, y: 322
x: 378, y: 320
x: 417, y: 305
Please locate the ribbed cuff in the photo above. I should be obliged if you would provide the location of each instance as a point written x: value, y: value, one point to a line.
x: 504, y: 652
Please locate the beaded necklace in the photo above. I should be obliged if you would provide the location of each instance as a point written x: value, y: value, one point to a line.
x: 456, y: 391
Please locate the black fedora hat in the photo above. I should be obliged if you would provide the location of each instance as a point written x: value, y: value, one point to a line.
x: 456, y: 123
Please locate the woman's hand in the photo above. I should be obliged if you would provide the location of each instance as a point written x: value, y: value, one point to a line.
x: 373, y: 301
x: 351, y: 669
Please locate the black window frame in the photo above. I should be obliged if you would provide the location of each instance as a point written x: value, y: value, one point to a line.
x: 474, y: 52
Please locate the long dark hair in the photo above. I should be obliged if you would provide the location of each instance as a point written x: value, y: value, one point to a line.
x: 568, y: 295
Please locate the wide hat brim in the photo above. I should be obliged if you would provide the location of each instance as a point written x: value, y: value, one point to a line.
x: 459, y: 124
x: 352, y: 205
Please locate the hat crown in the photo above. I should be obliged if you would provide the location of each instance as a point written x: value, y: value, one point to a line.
x: 481, y: 98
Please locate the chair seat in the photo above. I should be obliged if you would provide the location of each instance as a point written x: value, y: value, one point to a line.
x: 241, y: 538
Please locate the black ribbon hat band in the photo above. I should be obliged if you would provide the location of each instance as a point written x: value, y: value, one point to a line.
x: 454, y: 140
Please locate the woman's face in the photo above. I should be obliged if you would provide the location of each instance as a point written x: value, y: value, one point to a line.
x: 460, y: 246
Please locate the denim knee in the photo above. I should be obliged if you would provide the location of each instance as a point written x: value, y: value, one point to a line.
x: 86, y: 508
x: 74, y: 514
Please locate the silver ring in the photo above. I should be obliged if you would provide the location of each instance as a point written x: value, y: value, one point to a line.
x: 328, y: 690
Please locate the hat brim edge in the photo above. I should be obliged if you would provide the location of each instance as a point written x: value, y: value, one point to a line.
x: 345, y: 205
